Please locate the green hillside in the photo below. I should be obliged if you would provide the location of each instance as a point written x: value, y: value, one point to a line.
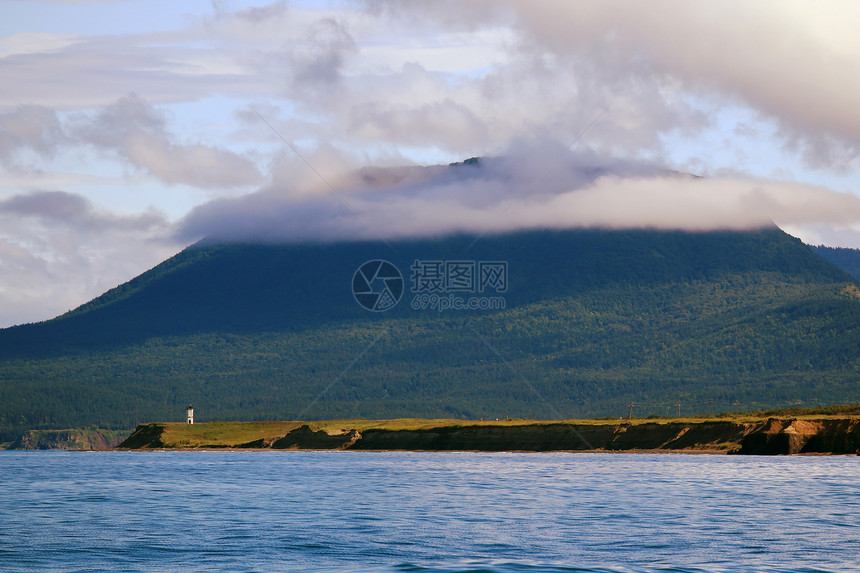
x: 593, y: 321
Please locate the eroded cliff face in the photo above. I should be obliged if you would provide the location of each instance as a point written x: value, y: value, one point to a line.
x: 560, y: 436
x: 303, y: 438
x: 773, y: 436
x: 803, y: 436
x: 73, y: 439
x: 145, y: 436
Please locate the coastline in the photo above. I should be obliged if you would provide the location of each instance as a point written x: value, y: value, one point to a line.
x: 709, y: 436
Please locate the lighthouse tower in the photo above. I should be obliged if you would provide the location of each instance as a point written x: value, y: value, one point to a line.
x: 189, y: 414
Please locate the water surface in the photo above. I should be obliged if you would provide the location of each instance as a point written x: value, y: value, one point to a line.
x: 409, y: 511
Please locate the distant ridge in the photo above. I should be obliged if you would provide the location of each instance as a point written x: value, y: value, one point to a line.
x: 594, y: 320
x: 846, y: 259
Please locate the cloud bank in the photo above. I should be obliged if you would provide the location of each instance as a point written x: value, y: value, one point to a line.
x: 792, y: 63
x: 522, y: 190
x: 468, y: 78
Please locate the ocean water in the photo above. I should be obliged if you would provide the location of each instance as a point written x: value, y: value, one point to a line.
x: 426, y: 512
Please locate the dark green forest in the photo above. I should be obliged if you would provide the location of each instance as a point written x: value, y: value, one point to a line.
x: 594, y: 321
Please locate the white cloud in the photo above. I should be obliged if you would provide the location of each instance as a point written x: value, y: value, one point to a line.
x: 778, y: 57
x: 132, y: 129
x: 375, y: 72
x: 34, y: 43
x: 57, y: 251
x: 29, y: 129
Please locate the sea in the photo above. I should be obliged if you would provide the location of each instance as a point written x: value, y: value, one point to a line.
x: 426, y: 512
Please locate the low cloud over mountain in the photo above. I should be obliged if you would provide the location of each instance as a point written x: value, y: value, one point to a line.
x: 534, y: 186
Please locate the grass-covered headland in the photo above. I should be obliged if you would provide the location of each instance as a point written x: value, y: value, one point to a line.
x: 831, y: 430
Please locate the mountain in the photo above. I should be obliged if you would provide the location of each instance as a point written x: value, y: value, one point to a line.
x: 585, y: 323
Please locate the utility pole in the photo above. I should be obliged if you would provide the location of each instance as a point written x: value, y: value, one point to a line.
x: 630, y: 415
x: 679, y: 408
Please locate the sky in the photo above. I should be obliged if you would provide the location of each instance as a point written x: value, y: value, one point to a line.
x: 132, y: 129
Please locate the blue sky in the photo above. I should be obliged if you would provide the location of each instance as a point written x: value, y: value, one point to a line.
x: 130, y: 129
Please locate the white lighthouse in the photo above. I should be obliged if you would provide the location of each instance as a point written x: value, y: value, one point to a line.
x: 189, y: 414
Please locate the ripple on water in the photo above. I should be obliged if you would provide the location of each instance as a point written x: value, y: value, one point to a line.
x: 409, y: 511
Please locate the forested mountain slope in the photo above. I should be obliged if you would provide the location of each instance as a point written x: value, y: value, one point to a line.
x: 592, y: 321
